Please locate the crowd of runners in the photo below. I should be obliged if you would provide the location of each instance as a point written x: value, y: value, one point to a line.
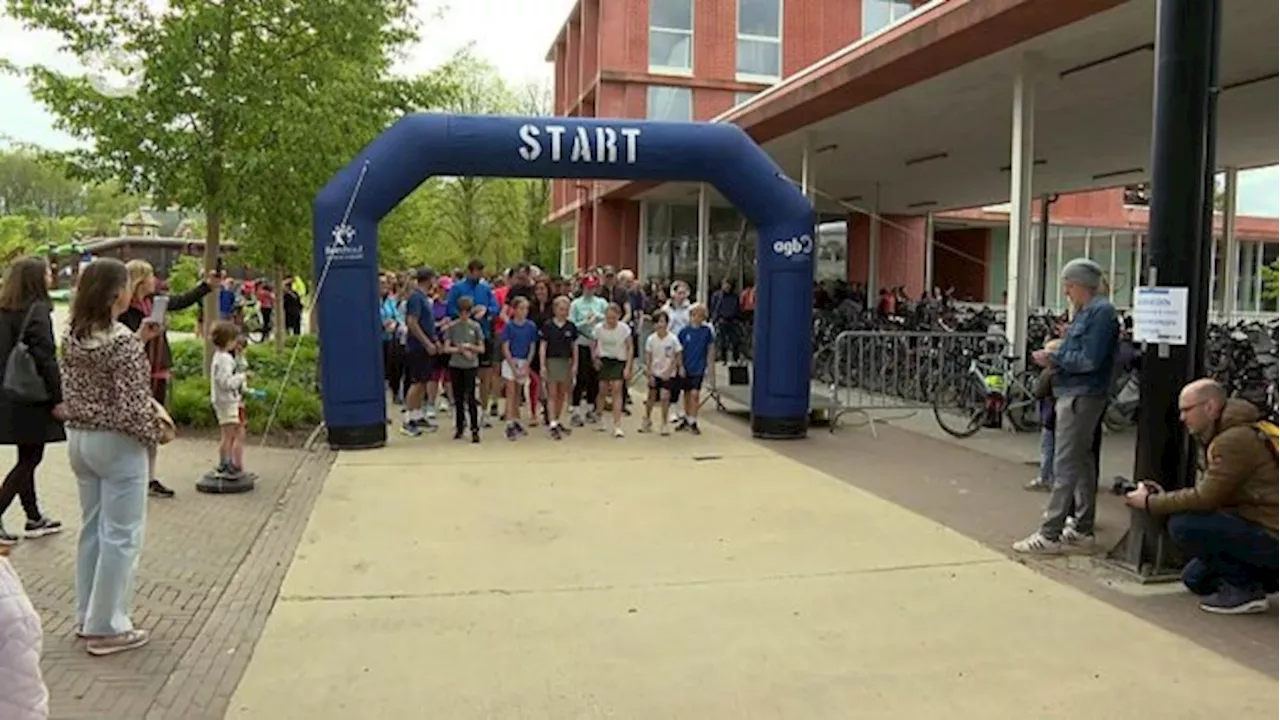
x: 532, y: 349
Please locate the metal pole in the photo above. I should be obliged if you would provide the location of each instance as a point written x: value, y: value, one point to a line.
x: 1200, y: 302
x: 929, y: 229
x: 1042, y: 273
x: 1185, y: 45
x: 873, y: 250
x: 704, y: 227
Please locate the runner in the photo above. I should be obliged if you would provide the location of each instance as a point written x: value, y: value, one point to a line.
x: 419, y: 348
x: 559, y: 362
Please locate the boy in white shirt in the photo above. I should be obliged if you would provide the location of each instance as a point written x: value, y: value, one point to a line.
x: 662, y: 369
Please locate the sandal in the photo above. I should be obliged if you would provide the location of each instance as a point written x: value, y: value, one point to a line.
x: 103, y: 645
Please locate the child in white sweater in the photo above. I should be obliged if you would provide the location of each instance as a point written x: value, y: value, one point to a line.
x: 226, y: 392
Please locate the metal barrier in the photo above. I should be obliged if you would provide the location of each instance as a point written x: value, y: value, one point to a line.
x: 874, y: 370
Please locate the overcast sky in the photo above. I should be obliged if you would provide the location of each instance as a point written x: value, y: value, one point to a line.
x: 513, y: 35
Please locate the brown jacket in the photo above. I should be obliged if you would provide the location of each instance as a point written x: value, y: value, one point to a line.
x: 1240, y: 476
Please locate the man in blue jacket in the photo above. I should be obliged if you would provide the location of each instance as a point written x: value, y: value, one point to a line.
x: 484, y: 310
x: 1083, y: 367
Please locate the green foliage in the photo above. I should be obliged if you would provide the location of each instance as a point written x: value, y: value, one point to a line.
x: 1270, y: 283
x: 448, y: 221
x: 184, y: 275
x: 299, y: 407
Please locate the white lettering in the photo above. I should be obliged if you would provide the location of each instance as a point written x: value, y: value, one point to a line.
x: 556, y: 132
x: 606, y: 145
x: 599, y: 148
x: 581, y: 147
x: 802, y: 245
x: 631, y: 134
x: 531, y: 149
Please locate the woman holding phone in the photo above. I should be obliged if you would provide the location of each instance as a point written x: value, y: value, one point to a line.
x: 146, y: 307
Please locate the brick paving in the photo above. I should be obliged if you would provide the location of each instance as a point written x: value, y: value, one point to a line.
x: 210, y: 570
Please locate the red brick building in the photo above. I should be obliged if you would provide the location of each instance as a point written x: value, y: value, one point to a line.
x: 707, y: 60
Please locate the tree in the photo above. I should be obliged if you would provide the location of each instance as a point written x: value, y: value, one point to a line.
x: 1270, y: 284
x: 236, y: 101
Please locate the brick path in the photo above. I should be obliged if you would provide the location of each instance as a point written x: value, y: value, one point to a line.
x: 210, y: 570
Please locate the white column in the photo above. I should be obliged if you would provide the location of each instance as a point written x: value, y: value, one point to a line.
x: 1232, y: 256
x: 1111, y: 270
x: 928, y: 254
x: 704, y: 226
x: 806, y: 168
x: 1022, y: 161
x: 873, y: 249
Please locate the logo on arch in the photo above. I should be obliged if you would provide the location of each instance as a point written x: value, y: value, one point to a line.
x: 342, y: 245
x: 802, y: 245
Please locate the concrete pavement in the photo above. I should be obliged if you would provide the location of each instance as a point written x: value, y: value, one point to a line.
x: 678, y: 578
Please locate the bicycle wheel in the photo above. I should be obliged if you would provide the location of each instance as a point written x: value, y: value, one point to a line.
x: 959, y: 404
x: 1022, y: 408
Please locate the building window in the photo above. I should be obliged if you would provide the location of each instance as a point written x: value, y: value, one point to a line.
x: 568, y: 249
x: 740, y: 98
x: 673, y: 104
x: 880, y: 14
x: 760, y: 39
x: 671, y: 36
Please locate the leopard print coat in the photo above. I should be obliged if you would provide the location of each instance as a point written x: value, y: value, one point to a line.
x: 106, y: 385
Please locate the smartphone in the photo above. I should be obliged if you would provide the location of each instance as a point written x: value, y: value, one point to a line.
x: 159, y: 305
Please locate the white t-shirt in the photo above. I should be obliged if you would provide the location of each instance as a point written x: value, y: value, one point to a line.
x: 677, y: 316
x: 662, y: 354
x: 613, y: 343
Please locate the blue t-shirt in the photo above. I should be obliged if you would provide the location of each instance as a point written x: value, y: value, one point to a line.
x: 226, y: 303
x: 480, y: 294
x: 521, y: 337
x: 419, y: 306
x: 696, y: 345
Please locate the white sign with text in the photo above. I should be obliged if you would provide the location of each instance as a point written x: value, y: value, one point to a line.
x: 1160, y: 315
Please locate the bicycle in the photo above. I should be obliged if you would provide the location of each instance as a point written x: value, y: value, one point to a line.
x: 984, y: 393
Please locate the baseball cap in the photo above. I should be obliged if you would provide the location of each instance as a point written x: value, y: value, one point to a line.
x: 591, y: 281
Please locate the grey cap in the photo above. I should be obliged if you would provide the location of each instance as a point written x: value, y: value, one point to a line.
x: 1084, y: 272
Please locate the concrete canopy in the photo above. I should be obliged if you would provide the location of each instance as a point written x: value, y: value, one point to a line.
x: 944, y: 142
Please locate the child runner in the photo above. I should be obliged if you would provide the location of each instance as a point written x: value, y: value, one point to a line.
x: 226, y: 392
x: 698, y: 352
x: 559, y: 363
x: 419, y: 349
x: 1044, y: 391
x: 612, y: 353
x: 677, y: 309
x: 519, y: 342
x: 464, y: 341
x: 662, y: 369
x: 587, y: 312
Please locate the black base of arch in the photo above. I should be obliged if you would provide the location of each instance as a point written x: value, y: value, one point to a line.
x: 779, y: 428
x: 357, y: 437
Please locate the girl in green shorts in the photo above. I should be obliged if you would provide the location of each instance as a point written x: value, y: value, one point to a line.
x: 611, y: 353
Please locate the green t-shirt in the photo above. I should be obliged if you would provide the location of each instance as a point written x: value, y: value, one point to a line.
x: 465, y: 332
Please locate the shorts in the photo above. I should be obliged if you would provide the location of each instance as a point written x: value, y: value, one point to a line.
x: 229, y: 414
x: 418, y: 364
x: 657, y: 385
x: 492, y: 354
x: 612, y: 369
x: 692, y: 383
x: 558, y: 370
x: 439, y: 368
x: 510, y: 373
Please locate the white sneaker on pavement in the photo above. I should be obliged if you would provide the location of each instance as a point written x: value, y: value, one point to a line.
x: 1037, y: 544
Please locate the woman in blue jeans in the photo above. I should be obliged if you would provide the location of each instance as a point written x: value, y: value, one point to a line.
x: 112, y: 424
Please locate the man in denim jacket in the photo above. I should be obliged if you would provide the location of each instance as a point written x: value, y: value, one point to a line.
x: 1083, y: 367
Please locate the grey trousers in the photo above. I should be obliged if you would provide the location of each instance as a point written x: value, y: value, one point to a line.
x: 1075, y: 474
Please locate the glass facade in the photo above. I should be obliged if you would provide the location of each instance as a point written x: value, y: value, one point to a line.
x: 759, y: 40
x: 671, y: 36
x: 568, y: 249
x: 670, y: 245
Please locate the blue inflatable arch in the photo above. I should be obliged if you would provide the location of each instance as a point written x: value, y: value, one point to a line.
x: 348, y: 209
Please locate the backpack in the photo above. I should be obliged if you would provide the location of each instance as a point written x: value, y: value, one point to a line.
x: 1270, y: 433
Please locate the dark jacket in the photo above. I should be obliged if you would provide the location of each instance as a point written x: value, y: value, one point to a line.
x: 1239, y: 475
x: 158, y: 349
x: 26, y: 423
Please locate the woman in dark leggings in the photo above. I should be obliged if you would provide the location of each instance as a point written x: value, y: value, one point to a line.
x: 25, y: 317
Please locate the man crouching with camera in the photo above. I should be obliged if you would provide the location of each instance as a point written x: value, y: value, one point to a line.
x: 1226, y: 524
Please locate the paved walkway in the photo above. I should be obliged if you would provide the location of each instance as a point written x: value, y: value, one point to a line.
x: 208, y: 575
x: 679, y: 578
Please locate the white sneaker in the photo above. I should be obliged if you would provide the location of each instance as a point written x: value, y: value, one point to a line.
x: 1071, y: 536
x: 1037, y: 544
x: 617, y: 432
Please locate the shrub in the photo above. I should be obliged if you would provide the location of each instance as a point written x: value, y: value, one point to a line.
x: 299, y: 407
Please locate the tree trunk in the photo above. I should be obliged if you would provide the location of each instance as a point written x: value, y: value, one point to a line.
x: 277, y: 322
x: 213, y: 233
